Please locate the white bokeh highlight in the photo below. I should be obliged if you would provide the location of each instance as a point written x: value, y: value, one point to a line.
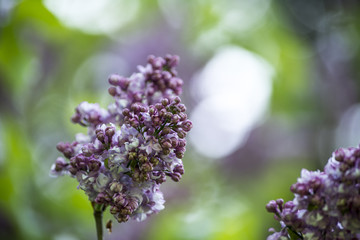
x: 233, y: 90
x: 348, y: 131
x: 93, y: 16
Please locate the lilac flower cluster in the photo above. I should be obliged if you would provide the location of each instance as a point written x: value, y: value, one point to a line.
x: 326, y: 204
x: 132, y: 145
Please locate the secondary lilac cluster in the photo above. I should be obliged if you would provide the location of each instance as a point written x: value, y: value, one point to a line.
x: 326, y: 204
x: 132, y: 145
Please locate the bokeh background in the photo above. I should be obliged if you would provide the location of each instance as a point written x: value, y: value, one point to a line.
x: 271, y: 86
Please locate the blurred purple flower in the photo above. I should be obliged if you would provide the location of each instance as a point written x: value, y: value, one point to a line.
x: 132, y: 145
x: 326, y: 204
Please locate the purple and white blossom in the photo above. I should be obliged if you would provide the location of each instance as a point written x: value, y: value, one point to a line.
x: 133, y: 145
x: 326, y: 203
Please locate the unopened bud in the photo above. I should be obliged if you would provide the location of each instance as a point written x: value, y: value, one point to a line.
x: 165, y: 102
x: 112, y: 91
x: 116, y: 187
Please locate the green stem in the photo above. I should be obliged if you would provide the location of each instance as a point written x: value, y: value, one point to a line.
x: 294, y: 234
x: 159, y: 129
x: 98, y: 212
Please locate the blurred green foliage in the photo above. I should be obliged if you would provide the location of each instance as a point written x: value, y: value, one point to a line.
x: 47, y: 68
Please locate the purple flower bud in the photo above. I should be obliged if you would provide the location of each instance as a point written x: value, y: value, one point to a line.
x: 112, y: 91
x: 186, y: 125
x: 182, y: 107
x: 94, y: 117
x: 179, y: 168
x: 150, y: 91
x: 88, y: 150
x: 156, y: 76
x: 100, y: 136
x: 156, y: 121
x: 117, y: 80
x: 162, y: 112
x: 76, y: 118
x: 66, y: 149
x: 152, y: 110
x: 114, y: 79
x: 119, y: 199
x: 174, y: 142
x: 166, y: 144
x: 175, y: 119
x: 60, y: 164
x: 157, y: 62
x: 289, y: 204
x: 150, y: 131
x: 280, y: 203
x: 135, y: 107
x: 181, y: 133
x: 151, y: 59
x: 180, y: 82
x: 272, y: 207
x: 349, y: 160
x: 143, y: 109
x: 73, y: 162
x: 137, y: 97
x: 82, y: 166
x: 133, y: 204
x: 134, y: 123
x: 166, y: 75
x: 177, y: 100
x: 299, y: 189
x: 168, y: 116
x: 61, y: 146
x: 174, y: 82
x: 179, y: 154
x: 316, y: 200
x: 94, y: 165
x: 126, y: 112
x: 158, y: 176
x: 110, y: 131
x: 175, y: 176
x: 73, y: 170
x: 339, y: 155
x: 159, y: 106
x: 181, y: 143
x: 182, y: 116
x: 172, y: 61
x: 102, y: 198
x: 166, y: 131
x: 165, y: 102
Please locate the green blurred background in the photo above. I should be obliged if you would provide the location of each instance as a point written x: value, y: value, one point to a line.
x: 272, y: 87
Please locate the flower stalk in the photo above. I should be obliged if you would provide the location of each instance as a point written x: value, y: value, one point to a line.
x: 98, y: 216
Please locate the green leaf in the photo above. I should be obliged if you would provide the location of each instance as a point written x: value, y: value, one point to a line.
x: 106, y: 163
